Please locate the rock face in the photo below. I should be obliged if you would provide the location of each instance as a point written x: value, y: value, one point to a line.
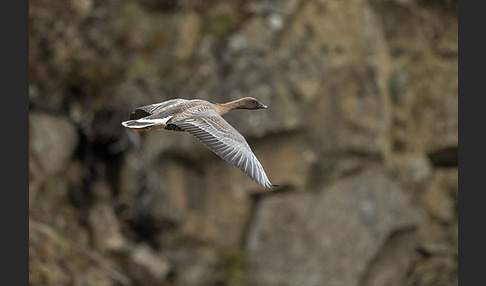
x: 361, y: 136
x: 54, y: 261
x: 330, y: 237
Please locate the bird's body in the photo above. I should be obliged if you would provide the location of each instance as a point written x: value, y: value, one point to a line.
x: 203, y: 120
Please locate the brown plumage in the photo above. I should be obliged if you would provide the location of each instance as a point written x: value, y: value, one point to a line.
x: 203, y: 120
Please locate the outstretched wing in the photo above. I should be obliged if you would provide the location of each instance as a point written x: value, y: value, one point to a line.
x: 219, y: 136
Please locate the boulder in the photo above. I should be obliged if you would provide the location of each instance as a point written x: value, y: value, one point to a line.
x: 440, y: 194
x: 105, y: 227
x: 52, y: 142
x: 326, y: 238
x: 154, y: 263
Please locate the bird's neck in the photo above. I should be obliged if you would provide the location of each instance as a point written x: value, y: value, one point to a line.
x: 223, y: 108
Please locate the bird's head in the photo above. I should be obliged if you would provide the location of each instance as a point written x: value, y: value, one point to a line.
x: 250, y: 103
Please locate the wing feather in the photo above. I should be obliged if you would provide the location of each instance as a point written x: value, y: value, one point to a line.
x: 219, y: 136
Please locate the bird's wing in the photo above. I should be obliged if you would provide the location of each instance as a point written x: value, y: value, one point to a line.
x: 219, y: 136
x: 152, y: 109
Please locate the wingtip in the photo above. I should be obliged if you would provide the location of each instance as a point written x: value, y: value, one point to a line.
x: 271, y: 187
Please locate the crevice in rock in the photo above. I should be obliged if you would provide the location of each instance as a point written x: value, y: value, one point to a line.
x: 444, y: 158
x: 161, y: 5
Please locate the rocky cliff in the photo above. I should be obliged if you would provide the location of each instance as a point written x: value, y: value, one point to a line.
x: 361, y: 135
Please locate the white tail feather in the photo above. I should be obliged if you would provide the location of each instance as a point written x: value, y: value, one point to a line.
x: 144, y: 123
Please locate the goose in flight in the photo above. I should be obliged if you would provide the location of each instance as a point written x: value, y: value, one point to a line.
x: 203, y: 120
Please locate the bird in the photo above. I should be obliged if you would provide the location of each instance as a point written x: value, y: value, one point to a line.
x: 204, y: 120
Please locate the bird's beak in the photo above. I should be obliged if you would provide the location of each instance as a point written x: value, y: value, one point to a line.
x: 261, y: 105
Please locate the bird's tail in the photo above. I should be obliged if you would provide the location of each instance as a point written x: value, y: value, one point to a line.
x: 142, y: 125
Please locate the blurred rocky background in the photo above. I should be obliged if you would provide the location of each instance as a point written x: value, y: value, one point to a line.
x: 361, y: 135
